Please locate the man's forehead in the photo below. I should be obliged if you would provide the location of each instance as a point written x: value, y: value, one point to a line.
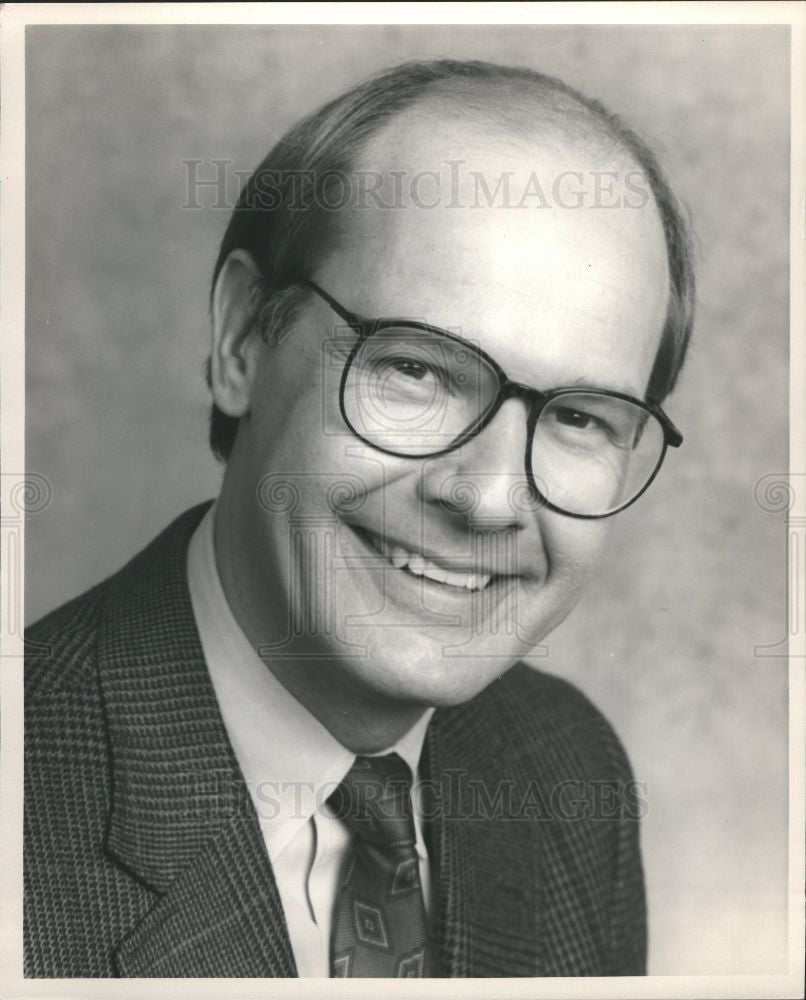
x: 454, y: 197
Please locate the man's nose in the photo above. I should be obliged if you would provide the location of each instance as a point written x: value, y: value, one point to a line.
x: 484, y: 480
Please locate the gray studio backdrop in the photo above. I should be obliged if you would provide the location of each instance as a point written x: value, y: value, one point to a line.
x: 665, y: 641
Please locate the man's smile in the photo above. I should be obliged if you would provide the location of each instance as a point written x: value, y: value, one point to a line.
x: 445, y: 570
x: 436, y: 578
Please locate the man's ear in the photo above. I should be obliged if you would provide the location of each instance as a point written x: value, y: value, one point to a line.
x: 236, y: 340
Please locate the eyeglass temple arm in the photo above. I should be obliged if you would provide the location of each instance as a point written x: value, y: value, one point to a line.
x: 350, y: 318
x: 673, y: 436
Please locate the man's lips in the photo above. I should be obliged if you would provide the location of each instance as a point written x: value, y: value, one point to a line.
x: 449, y: 571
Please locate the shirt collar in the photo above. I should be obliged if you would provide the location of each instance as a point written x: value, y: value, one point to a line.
x: 290, y: 761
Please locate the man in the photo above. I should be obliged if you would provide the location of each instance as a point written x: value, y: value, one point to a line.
x: 294, y: 735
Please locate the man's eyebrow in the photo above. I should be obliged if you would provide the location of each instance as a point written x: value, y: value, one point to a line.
x: 586, y: 383
x: 582, y: 382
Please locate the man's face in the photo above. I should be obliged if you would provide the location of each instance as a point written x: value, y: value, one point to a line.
x: 558, y: 297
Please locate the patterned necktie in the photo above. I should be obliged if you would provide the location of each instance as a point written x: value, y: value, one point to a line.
x: 379, y: 920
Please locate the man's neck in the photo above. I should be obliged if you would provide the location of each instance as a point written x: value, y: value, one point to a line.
x: 361, y: 724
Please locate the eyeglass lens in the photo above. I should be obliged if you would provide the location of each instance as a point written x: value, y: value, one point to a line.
x: 415, y: 393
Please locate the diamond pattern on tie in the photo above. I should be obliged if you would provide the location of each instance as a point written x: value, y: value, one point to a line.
x: 411, y: 966
x: 379, y: 919
x: 369, y: 925
x: 406, y: 877
x: 342, y: 966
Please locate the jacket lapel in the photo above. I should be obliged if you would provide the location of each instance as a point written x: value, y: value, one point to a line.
x: 181, y: 820
x: 488, y: 912
x: 516, y: 879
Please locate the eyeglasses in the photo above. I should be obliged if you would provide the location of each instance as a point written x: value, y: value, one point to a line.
x: 415, y: 391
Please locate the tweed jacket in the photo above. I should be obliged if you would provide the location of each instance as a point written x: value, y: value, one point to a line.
x: 143, y: 853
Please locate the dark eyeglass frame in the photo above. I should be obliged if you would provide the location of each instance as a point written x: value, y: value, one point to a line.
x: 507, y: 389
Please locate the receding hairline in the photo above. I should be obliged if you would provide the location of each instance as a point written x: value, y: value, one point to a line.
x: 516, y: 108
x: 531, y: 118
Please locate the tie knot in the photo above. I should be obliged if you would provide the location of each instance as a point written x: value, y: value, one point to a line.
x: 374, y: 800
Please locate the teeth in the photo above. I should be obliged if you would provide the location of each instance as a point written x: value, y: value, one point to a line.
x: 417, y: 565
x: 433, y: 572
x: 399, y: 557
x: 420, y: 566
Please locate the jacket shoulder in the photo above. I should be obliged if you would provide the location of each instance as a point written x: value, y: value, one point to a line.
x: 79, y: 903
x: 550, y: 713
x: 60, y: 647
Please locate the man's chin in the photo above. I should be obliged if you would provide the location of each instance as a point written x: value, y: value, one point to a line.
x: 449, y: 679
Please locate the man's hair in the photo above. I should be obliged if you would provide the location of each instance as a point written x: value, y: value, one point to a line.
x: 285, y: 217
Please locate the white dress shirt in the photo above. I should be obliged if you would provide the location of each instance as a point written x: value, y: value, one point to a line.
x: 290, y: 762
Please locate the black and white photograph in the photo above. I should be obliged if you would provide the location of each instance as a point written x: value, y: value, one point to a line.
x: 404, y: 518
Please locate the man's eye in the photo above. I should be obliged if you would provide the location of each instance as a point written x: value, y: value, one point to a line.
x: 575, y: 418
x: 411, y: 369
